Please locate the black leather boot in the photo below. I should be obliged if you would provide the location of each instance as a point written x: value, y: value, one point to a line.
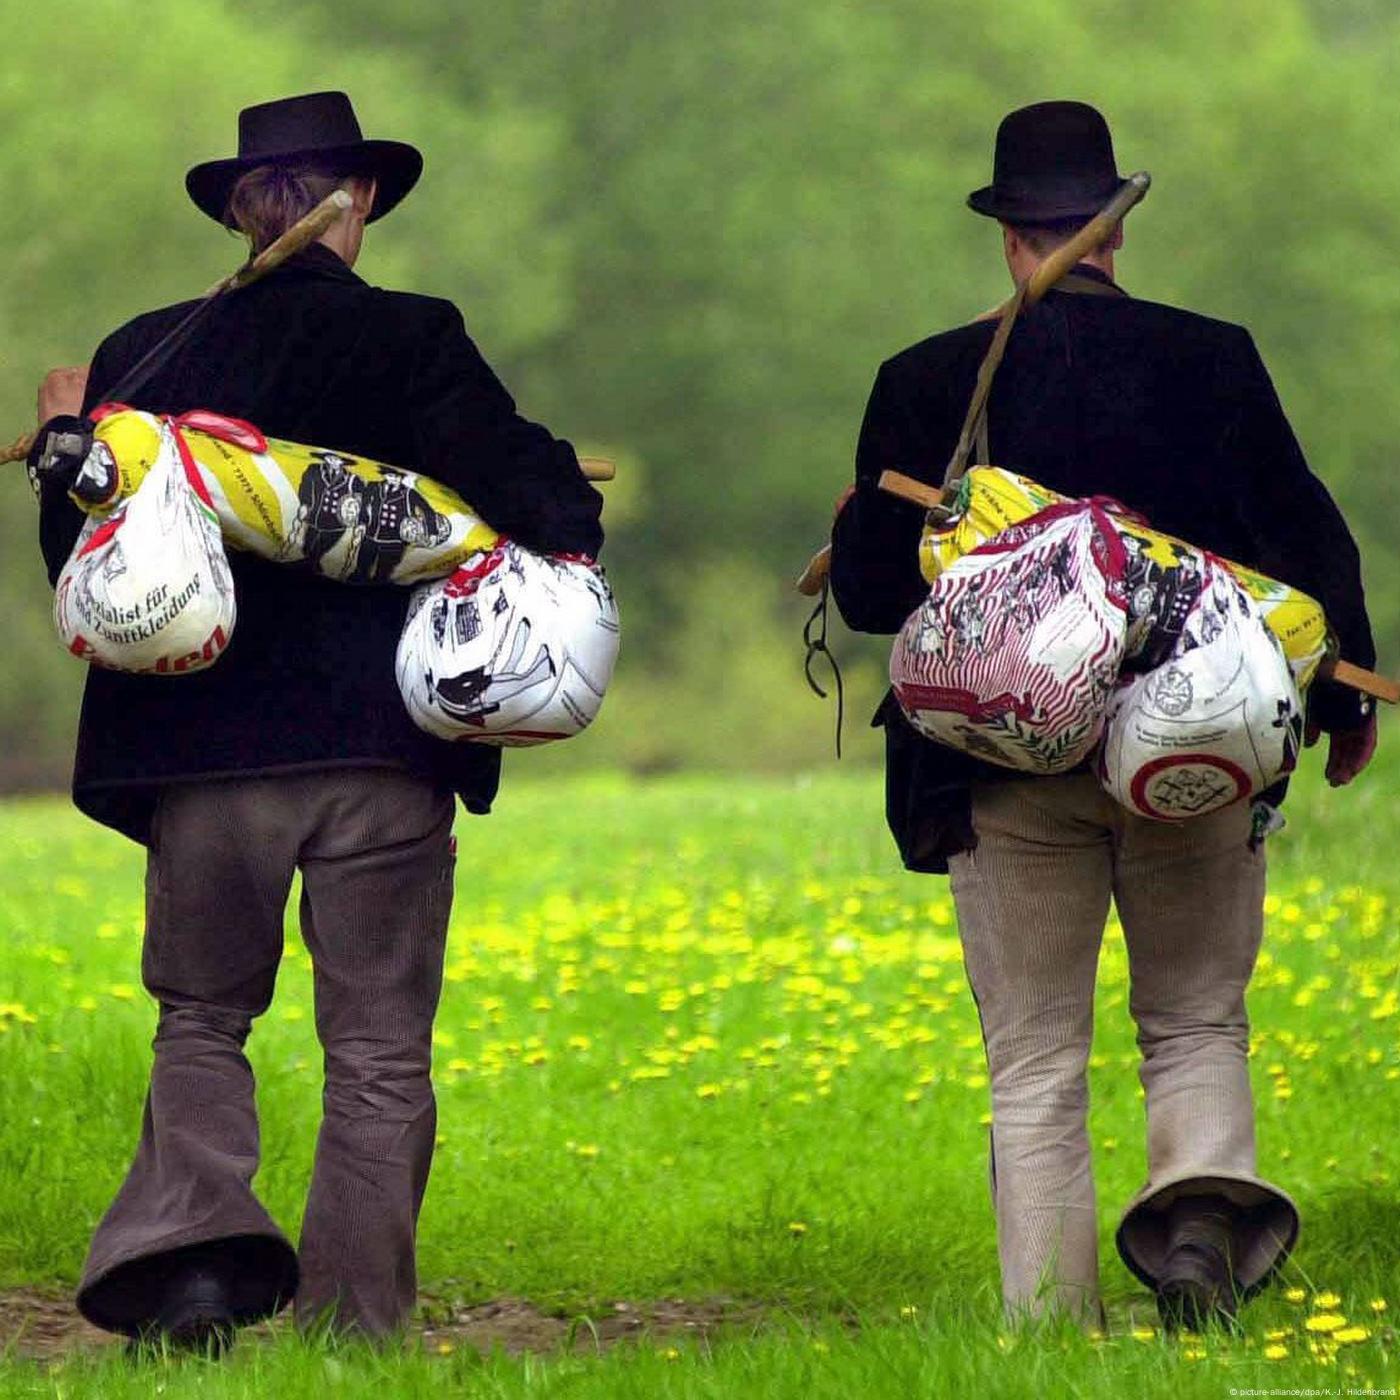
x: 196, y: 1313
x: 1197, y: 1287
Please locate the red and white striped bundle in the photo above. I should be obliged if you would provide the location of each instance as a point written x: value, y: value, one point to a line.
x: 1014, y: 653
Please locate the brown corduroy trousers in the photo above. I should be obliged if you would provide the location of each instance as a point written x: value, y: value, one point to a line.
x: 1032, y: 901
x: 374, y: 848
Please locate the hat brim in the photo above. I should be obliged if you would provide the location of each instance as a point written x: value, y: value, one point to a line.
x: 394, y: 165
x: 1044, y: 209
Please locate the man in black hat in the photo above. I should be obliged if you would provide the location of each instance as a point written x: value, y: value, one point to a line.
x: 295, y: 752
x: 1174, y: 414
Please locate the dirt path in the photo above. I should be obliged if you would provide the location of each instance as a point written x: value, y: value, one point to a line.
x: 43, y: 1325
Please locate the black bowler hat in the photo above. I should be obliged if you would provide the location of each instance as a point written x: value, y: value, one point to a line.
x: 320, y: 127
x: 1054, y: 160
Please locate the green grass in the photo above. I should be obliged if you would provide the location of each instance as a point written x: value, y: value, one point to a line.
x: 703, y: 1038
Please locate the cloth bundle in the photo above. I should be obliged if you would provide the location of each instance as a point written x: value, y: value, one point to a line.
x: 147, y: 587
x: 1217, y: 721
x: 513, y: 649
x: 1214, y: 657
x: 501, y: 645
x: 1015, y: 652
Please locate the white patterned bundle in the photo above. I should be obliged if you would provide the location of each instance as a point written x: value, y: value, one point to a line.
x: 513, y: 649
x: 147, y: 588
x: 1014, y: 653
x: 1217, y: 722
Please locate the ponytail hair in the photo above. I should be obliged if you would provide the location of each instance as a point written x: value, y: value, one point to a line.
x: 269, y: 199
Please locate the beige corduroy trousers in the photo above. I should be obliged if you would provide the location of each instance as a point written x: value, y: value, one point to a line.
x: 1032, y: 901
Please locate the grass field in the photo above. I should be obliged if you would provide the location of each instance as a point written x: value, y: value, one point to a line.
x: 702, y: 1040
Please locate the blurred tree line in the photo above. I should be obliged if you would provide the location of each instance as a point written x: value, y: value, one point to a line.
x: 686, y: 235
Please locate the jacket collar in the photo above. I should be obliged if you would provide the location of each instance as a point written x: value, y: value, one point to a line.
x: 1086, y: 272
x: 317, y: 261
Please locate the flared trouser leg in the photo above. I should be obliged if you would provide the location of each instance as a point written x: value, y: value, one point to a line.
x: 213, y: 941
x: 377, y: 891
x: 1191, y: 899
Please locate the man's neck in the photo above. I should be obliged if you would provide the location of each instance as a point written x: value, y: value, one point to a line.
x: 1101, y: 259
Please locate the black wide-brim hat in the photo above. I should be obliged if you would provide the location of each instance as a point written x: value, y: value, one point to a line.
x: 1054, y: 160
x: 320, y: 127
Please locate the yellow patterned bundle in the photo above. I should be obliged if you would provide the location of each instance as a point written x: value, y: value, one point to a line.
x: 1165, y: 575
x: 350, y: 519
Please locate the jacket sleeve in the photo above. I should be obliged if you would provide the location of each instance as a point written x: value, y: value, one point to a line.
x: 875, y: 575
x: 467, y: 433
x: 1298, y: 533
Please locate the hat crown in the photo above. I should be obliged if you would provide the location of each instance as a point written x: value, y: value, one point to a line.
x: 1053, y: 160
x: 1055, y: 141
x: 313, y: 121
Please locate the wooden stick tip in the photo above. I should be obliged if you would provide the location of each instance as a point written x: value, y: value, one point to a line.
x: 341, y: 199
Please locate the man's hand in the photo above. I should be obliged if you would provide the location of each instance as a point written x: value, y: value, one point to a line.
x: 62, y: 392
x: 1348, y: 750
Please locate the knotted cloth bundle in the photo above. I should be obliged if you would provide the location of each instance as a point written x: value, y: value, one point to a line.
x: 1214, y: 657
x: 1013, y: 655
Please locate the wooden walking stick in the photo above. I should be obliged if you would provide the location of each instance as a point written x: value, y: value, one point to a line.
x: 304, y: 232
x: 1096, y: 232
x: 301, y: 235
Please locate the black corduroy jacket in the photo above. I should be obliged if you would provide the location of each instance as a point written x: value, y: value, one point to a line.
x: 1170, y: 412
x: 313, y: 354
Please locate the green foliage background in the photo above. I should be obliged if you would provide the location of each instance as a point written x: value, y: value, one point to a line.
x: 686, y: 235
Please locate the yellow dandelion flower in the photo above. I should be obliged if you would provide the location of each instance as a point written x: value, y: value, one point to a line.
x: 1350, y: 1334
x: 1144, y: 1334
x: 445, y: 1348
x: 1295, y: 1295
x: 1326, y: 1301
x: 709, y: 1091
x: 1277, y: 1334
x: 1275, y: 1352
x: 909, y: 1310
x: 1378, y: 1305
x: 671, y: 1354
x: 797, y: 1227
x: 1325, y: 1322
x: 1194, y: 1353
x: 122, y: 991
